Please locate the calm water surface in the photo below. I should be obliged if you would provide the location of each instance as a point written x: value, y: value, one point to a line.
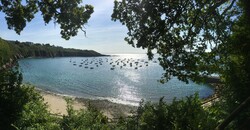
x: 123, y: 79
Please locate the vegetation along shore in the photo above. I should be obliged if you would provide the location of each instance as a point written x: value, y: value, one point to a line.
x: 13, y: 50
x: 193, y: 39
x: 57, y: 105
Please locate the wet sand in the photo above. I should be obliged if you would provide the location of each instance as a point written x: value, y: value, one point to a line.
x: 57, y: 105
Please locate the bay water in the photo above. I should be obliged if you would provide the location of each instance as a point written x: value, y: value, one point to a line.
x: 124, y: 78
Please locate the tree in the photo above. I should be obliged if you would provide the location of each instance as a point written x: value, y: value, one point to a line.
x: 194, y: 39
x: 237, y: 72
x: 67, y: 13
x: 9, y: 108
x: 183, y: 114
x: 185, y: 33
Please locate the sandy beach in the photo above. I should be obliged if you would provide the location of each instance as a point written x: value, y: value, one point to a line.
x: 57, y: 105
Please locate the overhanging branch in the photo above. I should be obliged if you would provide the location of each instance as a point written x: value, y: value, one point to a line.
x: 235, y: 113
x: 229, y: 7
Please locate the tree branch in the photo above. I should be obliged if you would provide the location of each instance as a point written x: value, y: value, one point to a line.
x: 229, y: 7
x: 236, y: 112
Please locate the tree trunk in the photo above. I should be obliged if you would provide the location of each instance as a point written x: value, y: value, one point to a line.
x: 235, y: 113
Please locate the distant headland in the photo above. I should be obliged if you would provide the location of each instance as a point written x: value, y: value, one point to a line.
x: 15, y: 49
x: 11, y: 50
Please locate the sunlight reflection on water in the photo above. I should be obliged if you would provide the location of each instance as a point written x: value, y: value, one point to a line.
x: 123, y: 84
x: 128, y: 93
x: 133, y: 76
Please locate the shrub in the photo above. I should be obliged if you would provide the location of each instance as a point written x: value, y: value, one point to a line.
x: 90, y: 119
x: 183, y: 114
x: 21, y: 107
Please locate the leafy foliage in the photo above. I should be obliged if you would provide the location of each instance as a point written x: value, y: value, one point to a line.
x: 68, y: 13
x: 180, y: 31
x: 183, y: 114
x: 15, y: 49
x: 84, y: 119
x: 35, y: 114
x: 5, y: 52
x: 238, y: 60
x: 21, y: 106
x: 28, y: 49
x: 195, y: 38
x: 12, y: 97
x: 237, y: 72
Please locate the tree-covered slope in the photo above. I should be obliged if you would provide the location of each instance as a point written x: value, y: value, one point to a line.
x: 16, y: 49
x: 5, y: 52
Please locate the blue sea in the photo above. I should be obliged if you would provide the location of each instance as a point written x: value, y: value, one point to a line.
x: 124, y: 78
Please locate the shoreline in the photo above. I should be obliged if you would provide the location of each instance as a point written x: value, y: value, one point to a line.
x: 57, y: 105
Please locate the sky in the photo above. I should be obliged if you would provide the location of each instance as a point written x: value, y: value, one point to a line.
x: 103, y: 35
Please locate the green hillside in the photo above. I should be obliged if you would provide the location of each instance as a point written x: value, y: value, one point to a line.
x: 5, y: 52
x: 16, y: 49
